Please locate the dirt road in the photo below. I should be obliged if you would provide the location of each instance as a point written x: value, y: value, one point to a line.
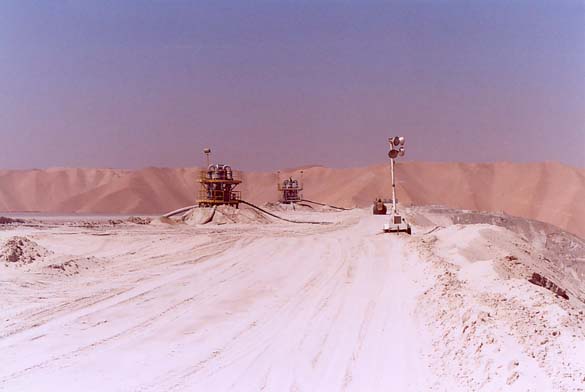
x: 281, y: 306
x: 330, y: 309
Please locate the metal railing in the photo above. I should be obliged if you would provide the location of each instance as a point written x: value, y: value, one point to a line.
x: 219, y: 195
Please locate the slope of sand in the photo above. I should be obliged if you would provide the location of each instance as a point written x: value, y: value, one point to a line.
x: 279, y: 306
x: 549, y: 192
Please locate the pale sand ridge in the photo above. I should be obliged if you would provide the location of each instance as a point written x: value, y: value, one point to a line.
x: 549, y: 192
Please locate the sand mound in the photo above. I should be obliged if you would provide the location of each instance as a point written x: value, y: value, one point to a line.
x: 554, y: 255
x: 22, y: 250
x: 162, y: 220
x: 69, y: 267
x: 227, y: 214
x: 72, y: 265
x: 485, y: 299
x: 198, y: 216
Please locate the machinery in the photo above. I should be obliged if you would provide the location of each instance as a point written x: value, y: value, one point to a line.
x: 217, y: 185
x: 397, y: 222
x: 290, y: 190
x: 379, y: 207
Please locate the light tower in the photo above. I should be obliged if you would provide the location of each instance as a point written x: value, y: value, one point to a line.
x: 397, y: 222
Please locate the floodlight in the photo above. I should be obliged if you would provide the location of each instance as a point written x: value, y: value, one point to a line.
x: 401, y: 140
x: 393, y: 154
x: 401, y: 151
x: 207, y: 150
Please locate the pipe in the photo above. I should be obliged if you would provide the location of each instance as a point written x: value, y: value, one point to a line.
x: 172, y: 213
x: 326, y: 205
x: 434, y: 229
x: 393, y: 186
x: 281, y: 218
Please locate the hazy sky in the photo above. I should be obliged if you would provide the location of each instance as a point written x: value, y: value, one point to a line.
x: 272, y: 84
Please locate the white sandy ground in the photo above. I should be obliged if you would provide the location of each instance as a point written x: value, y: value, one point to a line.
x: 279, y: 307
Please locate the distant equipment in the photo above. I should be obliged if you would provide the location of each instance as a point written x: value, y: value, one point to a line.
x: 379, y: 207
x: 397, y: 222
x: 217, y: 185
x: 290, y: 190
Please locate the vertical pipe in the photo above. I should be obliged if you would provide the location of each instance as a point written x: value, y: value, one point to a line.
x: 301, y: 185
x: 393, y: 186
x: 278, y: 188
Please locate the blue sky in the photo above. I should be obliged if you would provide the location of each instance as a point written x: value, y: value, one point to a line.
x: 272, y: 84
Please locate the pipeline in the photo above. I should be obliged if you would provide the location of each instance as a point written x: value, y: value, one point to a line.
x: 173, y: 213
x: 326, y: 205
x: 281, y: 218
x: 180, y: 210
x: 434, y: 229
